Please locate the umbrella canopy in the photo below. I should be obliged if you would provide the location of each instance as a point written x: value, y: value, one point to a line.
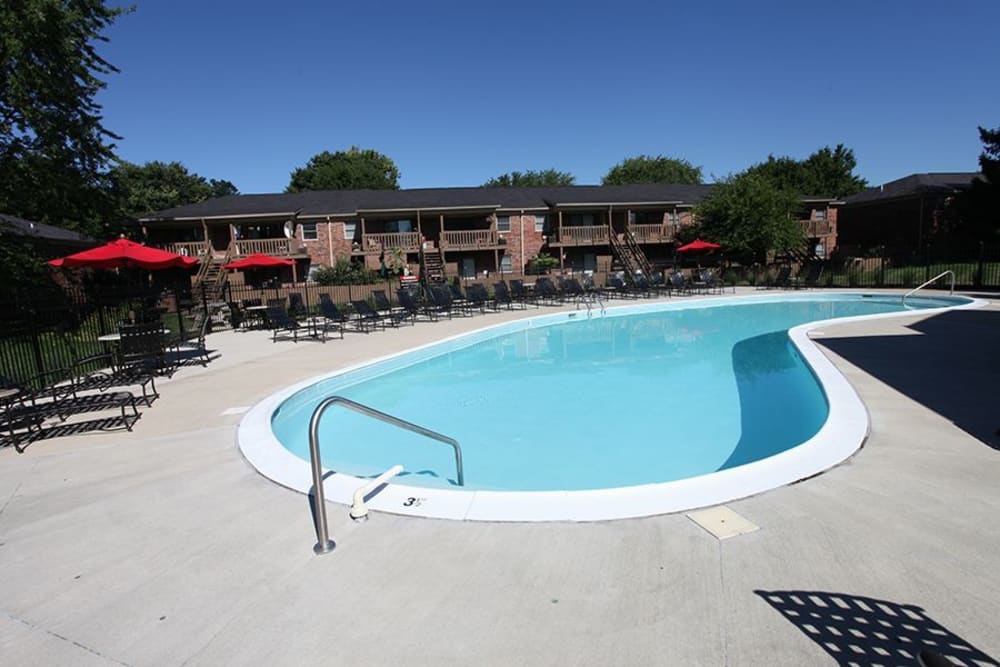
x: 122, y: 253
x: 259, y: 261
x: 697, y: 245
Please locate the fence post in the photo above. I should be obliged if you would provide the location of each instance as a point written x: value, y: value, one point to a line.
x: 977, y: 281
x: 881, y: 270
x: 927, y: 262
x: 36, y: 345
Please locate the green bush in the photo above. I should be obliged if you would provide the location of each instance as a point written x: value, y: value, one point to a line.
x: 346, y: 272
x: 542, y: 263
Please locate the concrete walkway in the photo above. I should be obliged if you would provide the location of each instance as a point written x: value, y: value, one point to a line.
x: 163, y: 547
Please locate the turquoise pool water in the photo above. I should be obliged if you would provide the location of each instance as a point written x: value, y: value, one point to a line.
x: 626, y: 399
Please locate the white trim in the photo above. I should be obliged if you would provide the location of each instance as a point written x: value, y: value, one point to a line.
x: 843, y: 433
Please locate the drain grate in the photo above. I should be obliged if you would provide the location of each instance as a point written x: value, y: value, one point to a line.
x: 722, y: 522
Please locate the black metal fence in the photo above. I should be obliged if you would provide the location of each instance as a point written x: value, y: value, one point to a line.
x: 47, y: 329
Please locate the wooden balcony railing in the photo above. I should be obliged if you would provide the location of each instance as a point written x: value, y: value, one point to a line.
x: 652, y: 233
x: 275, y: 247
x: 406, y: 241
x: 591, y: 235
x: 187, y: 248
x: 469, y: 240
x: 815, y: 228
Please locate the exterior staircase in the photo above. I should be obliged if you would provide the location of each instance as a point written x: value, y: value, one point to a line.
x: 211, y: 278
x: 630, y: 256
x: 431, y: 266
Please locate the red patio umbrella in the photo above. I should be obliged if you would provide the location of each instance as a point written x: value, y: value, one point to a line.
x: 259, y: 261
x: 698, y: 244
x: 122, y: 253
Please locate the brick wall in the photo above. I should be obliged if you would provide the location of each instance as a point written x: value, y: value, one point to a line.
x: 328, y: 234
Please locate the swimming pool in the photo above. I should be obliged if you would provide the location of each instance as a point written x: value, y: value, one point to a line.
x: 645, y: 401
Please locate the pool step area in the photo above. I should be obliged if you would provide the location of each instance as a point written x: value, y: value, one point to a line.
x: 722, y: 522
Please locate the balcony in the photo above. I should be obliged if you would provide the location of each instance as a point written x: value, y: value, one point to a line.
x: 186, y: 248
x: 479, y: 239
x: 590, y: 235
x: 406, y: 241
x: 276, y: 247
x: 816, y: 228
x: 657, y: 233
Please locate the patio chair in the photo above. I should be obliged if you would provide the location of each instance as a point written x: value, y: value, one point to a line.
x: 280, y: 321
x: 409, y: 303
x: 658, y: 282
x: 458, y: 299
x: 385, y: 308
x: 479, y: 297
x: 194, y: 339
x: 332, y: 316
x: 501, y: 295
x: 546, y: 290
x: 296, y: 306
x: 781, y: 279
x: 366, y: 317
x: 23, y: 418
x: 104, y: 371
x: 144, y: 345
x: 236, y: 316
x: 441, y: 301
x: 808, y: 276
x: 641, y: 286
x: 679, y: 283
x: 521, y: 293
x: 616, y: 288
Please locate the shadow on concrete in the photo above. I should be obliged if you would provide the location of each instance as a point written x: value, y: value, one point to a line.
x: 953, y: 368
x: 862, y: 631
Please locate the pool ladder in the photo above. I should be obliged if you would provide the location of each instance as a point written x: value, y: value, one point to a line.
x: 590, y: 300
x: 928, y: 282
x: 324, y: 544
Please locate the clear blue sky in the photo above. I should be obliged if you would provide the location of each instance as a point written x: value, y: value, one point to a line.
x: 458, y: 92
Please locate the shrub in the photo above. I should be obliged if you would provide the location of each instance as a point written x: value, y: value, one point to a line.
x: 542, y: 263
x: 345, y: 272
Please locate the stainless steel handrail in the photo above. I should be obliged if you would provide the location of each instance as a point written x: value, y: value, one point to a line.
x: 323, y: 542
x: 928, y: 282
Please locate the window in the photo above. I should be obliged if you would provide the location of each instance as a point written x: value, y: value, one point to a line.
x: 819, y: 214
x: 309, y: 232
x: 673, y: 218
x: 539, y: 223
x: 580, y: 220
x: 503, y: 223
x: 350, y: 229
x: 506, y: 264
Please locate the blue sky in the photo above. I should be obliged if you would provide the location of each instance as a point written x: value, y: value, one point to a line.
x: 458, y: 92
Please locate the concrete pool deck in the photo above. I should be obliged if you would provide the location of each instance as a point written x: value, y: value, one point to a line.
x: 162, y: 546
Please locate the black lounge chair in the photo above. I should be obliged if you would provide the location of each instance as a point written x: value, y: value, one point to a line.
x: 409, y: 303
x: 782, y: 278
x: 808, y: 276
x: 332, y: 317
x: 280, y: 321
x: 296, y: 306
x: 458, y: 299
x: 22, y: 419
x: 546, y: 290
x: 521, y: 293
x: 385, y: 308
x: 658, y: 282
x: 501, y: 295
x: 616, y: 288
x: 441, y: 301
x: 641, y: 286
x: 366, y: 317
x: 679, y: 283
x: 479, y: 298
x: 193, y: 340
x: 236, y: 316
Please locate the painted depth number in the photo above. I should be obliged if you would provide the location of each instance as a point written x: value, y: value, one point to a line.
x: 413, y: 502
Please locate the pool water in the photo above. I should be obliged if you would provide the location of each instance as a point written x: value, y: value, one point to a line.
x: 627, y: 399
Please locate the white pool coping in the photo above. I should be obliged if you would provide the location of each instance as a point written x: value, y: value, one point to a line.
x: 843, y: 433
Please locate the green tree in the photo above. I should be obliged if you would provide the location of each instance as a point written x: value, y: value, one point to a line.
x: 652, y: 169
x: 353, y: 169
x: 827, y: 172
x: 978, y: 208
x: 750, y: 217
x: 531, y: 179
x: 54, y: 148
x: 155, y: 186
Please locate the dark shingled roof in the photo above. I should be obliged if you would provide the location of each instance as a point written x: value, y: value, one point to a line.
x: 341, y: 202
x: 42, y: 231
x: 915, y: 185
